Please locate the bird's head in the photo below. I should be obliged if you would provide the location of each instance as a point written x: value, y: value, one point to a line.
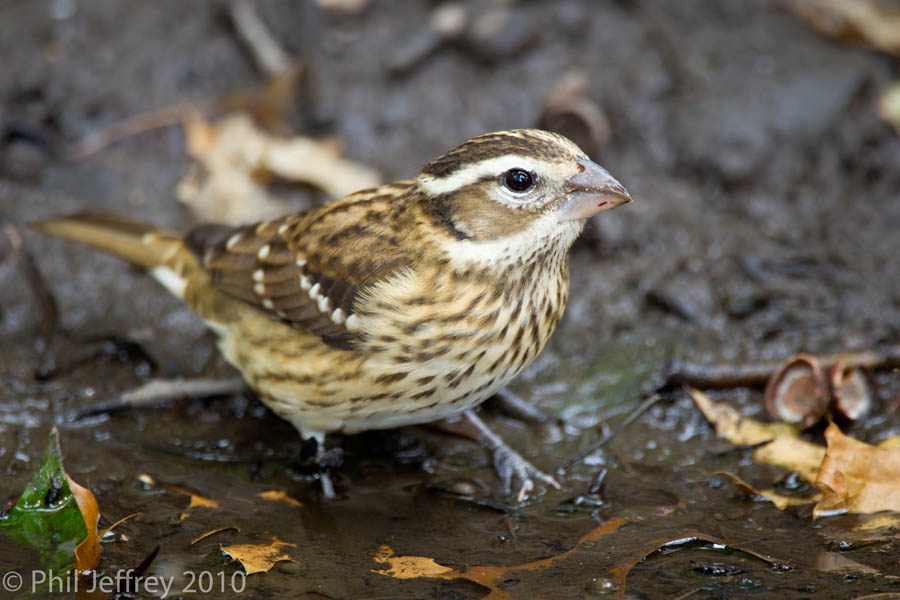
x: 522, y: 190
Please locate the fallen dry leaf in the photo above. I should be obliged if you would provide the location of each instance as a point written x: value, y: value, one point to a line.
x: 872, y: 21
x: 890, y: 443
x: 496, y: 579
x: 87, y: 554
x: 856, y: 477
x: 782, y: 447
x: 780, y: 501
x: 407, y: 567
x: 237, y: 159
x: 259, y: 558
x: 279, y: 496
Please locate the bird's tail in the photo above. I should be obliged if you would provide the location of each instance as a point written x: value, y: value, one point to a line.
x: 161, y: 252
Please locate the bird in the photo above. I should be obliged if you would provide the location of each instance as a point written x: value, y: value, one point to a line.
x: 402, y: 304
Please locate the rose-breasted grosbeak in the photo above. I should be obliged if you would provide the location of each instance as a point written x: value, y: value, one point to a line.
x: 406, y: 303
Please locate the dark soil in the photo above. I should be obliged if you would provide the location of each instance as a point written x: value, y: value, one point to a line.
x: 765, y: 222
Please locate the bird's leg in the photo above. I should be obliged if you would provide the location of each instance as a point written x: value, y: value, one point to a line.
x: 325, y: 461
x: 156, y: 391
x: 509, y: 463
x: 519, y: 408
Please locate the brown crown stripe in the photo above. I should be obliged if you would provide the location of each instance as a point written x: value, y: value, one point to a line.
x: 492, y: 146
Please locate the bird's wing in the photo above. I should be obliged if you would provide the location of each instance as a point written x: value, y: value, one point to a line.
x: 307, y: 269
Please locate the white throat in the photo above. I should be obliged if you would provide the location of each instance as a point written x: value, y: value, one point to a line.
x: 545, y: 235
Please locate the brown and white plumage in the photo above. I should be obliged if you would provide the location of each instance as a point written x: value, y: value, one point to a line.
x: 405, y: 303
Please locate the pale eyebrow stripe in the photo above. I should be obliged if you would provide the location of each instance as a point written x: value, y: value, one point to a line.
x: 474, y: 172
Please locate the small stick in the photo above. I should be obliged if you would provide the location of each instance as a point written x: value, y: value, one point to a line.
x: 140, y: 123
x: 646, y: 404
x: 46, y: 311
x: 757, y: 374
x: 269, y: 55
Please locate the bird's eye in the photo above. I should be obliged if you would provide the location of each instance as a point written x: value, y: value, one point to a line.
x: 518, y: 180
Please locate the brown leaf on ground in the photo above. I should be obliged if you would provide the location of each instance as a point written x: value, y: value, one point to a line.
x: 875, y: 22
x: 780, y: 501
x: 87, y: 554
x: 856, y: 477
x: 494, y: 578
x: 279, y: 496
x: 409, y: 567
x: 781, y: 443
x: 237, y: 159
x: 259, y: 558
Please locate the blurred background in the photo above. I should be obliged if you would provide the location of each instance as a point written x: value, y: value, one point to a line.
x: 758, y: 139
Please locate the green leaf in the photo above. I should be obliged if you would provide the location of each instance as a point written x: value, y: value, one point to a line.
x: 46, y: 517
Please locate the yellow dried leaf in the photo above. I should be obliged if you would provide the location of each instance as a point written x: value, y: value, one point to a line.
x: 279, y: 496
x: 785, y: 447
x: 736, y: 428
x: 196, y: 500
x: 495, y: 579
x: 259, y: 558
x: 856, y: 477
x: 889, y: 443
x: 794, y: 454
x: 407, y: 567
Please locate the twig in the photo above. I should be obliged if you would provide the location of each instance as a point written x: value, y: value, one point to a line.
x: 269, y: 55
x: 690, y: 593
x: 646, y: 404
x: 279, y: 68
x: 140, y: 123
x: 45, y: 308
x: 757, y: 374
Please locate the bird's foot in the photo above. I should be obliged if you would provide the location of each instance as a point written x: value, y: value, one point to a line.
x: 509, y: 464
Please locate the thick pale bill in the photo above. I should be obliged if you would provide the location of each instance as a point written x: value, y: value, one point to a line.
x: 591, y: 191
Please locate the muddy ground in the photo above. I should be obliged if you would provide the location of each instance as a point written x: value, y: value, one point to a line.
x: 765, y: 221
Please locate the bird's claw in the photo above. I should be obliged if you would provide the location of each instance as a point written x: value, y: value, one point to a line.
x: 511, y: 465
